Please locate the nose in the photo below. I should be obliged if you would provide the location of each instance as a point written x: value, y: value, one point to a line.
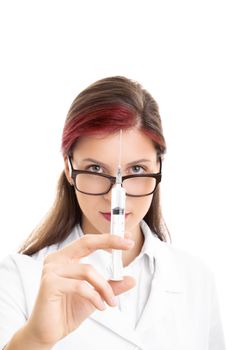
x: 108, y: 196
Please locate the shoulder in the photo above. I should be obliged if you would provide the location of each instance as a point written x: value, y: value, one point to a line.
x: 178, y: 267
x: 190, y: 270
x: 20, y: 270
x: 13, y: 261
x: 182, y: 257
x: 20, y: 277
x: 41, y: 254
x: 17, y: 266
x: 22, y: 266
x: 169, y: 253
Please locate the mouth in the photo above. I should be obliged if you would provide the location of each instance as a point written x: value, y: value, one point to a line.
x: 107, y: 215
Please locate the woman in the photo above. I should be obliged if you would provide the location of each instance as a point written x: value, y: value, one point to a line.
x: 57, y: 293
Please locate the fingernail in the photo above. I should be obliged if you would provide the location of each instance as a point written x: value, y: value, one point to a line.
x: 113, y: 301
x: 102, y: 305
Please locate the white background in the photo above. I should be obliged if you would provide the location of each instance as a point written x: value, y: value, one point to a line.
x: 181, y: 51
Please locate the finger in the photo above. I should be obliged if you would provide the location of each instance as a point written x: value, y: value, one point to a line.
x: 82, y: 289
x: 123, y: 286
x: 91, y: 242
x: 87, y: 273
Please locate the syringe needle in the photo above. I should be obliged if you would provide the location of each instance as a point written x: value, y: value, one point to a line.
x: 118, y: 218
x: 120, y: 149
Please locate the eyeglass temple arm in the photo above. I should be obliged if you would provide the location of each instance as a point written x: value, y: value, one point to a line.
x: 160, y: 164
x: 70, y: 165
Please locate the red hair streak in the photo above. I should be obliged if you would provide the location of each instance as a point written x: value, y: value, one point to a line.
x: 104, y: 119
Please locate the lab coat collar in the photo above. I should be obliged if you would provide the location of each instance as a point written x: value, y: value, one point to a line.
x: 147, y: 247
x: 167, y: 274
x: 166, y: 290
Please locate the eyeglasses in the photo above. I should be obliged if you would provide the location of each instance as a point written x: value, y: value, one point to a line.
x: 96, y: 184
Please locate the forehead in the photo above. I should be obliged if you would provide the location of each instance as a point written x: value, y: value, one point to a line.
x: 134, y: 144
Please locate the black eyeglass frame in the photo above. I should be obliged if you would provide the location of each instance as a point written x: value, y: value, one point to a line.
x: 75, y: 172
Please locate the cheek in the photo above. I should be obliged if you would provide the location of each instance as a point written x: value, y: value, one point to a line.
x: 146, y: 205
x: 86, y: 203
x: 141, y: 205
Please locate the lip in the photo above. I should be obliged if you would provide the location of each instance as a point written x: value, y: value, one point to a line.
x: 107, y: 215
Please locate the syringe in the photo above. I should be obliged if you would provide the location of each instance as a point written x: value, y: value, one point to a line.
x: 118, y: 221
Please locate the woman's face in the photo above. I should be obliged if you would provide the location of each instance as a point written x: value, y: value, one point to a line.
x: 101, y: 154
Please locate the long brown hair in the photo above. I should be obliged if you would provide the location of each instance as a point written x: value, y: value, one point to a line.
x: 107, y: 106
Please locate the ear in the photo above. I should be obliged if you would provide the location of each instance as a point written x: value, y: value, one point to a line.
x: 67, y: 169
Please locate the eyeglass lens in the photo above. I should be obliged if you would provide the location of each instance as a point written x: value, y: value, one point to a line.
x: 94, y: 184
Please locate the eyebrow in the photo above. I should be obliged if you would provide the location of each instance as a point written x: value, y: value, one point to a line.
x: 142, y: 160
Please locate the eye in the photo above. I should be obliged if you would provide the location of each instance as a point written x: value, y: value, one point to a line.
x: 95, y: 168
x: 137, y: 169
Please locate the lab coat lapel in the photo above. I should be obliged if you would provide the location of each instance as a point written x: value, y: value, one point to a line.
x: 113, y: 319
x: 162, y: 317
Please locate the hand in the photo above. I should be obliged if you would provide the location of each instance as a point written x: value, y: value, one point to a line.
x: 70, y: 291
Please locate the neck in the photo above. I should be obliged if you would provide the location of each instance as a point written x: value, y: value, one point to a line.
x: 129, y: 255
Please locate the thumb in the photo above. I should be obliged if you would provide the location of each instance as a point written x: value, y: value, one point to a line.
x: 123, y: 286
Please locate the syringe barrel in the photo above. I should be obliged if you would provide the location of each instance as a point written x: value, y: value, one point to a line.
x: 117, y: 228
x: 118, y: 197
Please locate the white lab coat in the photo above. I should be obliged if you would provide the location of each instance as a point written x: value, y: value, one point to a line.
x: 181, y: 312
